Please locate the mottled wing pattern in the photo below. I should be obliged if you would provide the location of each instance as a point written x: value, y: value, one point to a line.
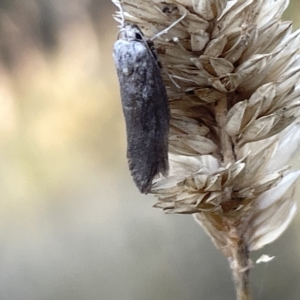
x: 145, y: 107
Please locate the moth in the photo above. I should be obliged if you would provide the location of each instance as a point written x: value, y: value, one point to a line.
x: 145, y: 106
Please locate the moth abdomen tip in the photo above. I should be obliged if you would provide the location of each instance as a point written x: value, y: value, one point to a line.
x: 143, y: 174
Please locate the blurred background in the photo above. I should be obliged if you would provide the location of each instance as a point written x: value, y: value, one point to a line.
x: 72, y: 223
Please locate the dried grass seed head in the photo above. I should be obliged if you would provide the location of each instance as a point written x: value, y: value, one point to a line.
x: 233, y: 123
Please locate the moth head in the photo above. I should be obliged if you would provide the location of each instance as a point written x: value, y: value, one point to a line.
x: 131, y: 32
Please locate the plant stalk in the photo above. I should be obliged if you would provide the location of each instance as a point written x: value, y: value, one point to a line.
x: 240, y: 266
x: 239, y: 258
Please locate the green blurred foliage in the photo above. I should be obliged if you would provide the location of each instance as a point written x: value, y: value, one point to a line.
x: 73, y: 225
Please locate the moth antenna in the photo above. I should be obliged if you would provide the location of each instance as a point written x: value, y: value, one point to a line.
x: 168, y: 28
x: 173, y: 81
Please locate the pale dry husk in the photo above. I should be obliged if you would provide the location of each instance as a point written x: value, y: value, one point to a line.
x: 232, y: 73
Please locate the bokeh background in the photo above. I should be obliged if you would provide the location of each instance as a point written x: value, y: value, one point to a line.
x: 72, y: 223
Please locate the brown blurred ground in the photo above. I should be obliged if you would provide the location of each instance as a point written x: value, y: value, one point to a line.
x: 72, y: 224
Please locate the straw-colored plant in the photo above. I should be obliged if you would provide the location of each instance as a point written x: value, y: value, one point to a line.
x: 231, y: 70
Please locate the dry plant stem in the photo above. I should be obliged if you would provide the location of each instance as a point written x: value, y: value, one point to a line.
x: 240, y: 269
x: 239, y: 259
